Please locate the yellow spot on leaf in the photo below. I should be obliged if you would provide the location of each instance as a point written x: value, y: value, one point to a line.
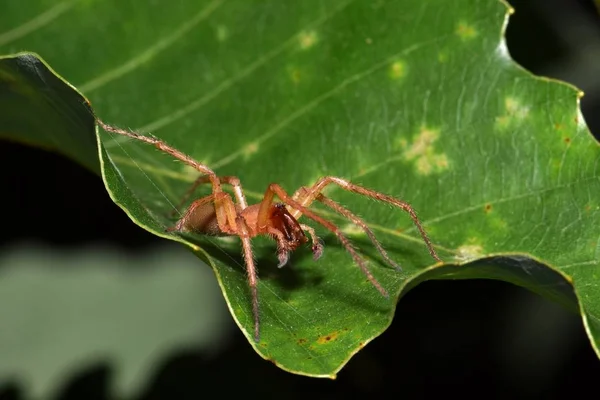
x: 352, y: 230
x: 307, y: 39
x: 514, y: 107
x: 295, y: 75
x: 397, y: 70
x: 498, y: 224
x: 502, y: 122
x: 514, y: 112
x: 422, y: 143
x: 434, y: 162
x: 466, y: 31
x: 250, y: 149
x: 422, y: 151
x: 328, y: 338
x: 222, y: 33
x: 468, y: 252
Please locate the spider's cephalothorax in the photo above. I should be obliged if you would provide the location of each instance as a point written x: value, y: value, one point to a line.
x: 218, y: 214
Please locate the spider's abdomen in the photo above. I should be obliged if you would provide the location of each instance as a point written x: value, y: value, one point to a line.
x: 203, y: 220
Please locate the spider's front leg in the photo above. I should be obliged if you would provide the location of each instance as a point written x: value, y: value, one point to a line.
x: 216, y: 214
x: 266, y: 204
x: 284, y: 247
x: 305, y: 196
x: 244, y: 235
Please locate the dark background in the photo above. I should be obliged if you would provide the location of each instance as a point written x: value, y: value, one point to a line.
x: 466, y: 338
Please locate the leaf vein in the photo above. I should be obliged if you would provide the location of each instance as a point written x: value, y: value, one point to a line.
x: 319, y: 99
x: 225, y: 85
x: 150, y: 52
x: 35, y: 23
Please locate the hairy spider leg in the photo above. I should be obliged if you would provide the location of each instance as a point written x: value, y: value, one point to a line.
x: 159, y: 144
x: 252, y: 274
x: 360, y: 223
x: 223, y: 204
x: 317, y: 246
x: 306, y: 197
x: 230, y: 180
x: 227, y: 216
x: 275, y: 189
x: 241, y: 228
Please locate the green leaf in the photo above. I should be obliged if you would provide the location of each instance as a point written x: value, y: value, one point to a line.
x: 416, y: 99
x: 40, y: 108
x: 68, y: 311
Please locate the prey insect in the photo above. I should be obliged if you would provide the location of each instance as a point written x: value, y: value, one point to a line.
x: 218, y: 214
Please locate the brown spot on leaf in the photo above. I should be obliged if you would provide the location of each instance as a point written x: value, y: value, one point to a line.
x: 327, y: 338
x: 488, y: 207
x: 567, y: 140
x: 301, y: 341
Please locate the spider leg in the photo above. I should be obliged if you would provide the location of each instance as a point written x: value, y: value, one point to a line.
x: 252, y: 273
x: 230, y: 180
x: 317, y: 246
x: 159, y: 144
x: 282, y: 254
x: 229, y: 220
x: 202, y: 179
x: 275, y: 189
x: 359, y: 222
x: 307, y: 195
x: 224, y: 207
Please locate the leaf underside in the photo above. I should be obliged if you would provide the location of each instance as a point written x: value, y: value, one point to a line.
x: 416, y: 99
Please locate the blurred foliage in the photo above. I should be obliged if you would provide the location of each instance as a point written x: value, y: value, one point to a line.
x: 63, y: 312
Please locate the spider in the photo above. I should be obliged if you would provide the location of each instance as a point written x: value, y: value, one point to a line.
x: 217, y: 214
